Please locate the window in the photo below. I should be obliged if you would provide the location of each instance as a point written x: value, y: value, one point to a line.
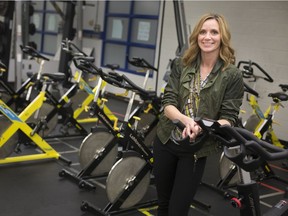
x: 46, y: 21
x: 130, y: 31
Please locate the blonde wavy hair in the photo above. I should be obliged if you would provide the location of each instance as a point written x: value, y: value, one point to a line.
x: 226, y: 51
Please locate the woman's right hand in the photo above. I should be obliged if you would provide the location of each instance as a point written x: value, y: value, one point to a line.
x: 192, y: 129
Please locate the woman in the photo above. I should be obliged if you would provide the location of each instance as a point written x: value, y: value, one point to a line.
x: 204, y: 83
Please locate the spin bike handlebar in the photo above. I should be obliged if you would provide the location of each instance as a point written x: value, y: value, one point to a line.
x: 141, y: 63
x: 112, y: 78
x: 251, y: 151
x: 71, y: 48
x: 86, y: 64
x: 32, y: 52
x: 250, y: 90
x: 248, y: 71
x: 185, y: 142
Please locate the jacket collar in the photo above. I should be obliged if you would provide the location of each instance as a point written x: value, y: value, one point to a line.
x: 189, y: 71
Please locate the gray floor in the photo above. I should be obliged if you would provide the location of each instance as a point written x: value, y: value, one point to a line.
x: 35, y: 188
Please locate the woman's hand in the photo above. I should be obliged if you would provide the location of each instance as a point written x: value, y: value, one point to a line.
x: 192, y: 129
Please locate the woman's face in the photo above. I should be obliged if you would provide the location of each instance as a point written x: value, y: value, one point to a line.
x: 209, y: 38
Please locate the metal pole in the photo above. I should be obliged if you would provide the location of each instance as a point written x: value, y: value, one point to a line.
x: 160, y: 45
x: 79, y: 30
x: 180, y: 20
x: 67, y: 33
x: 18, y: 42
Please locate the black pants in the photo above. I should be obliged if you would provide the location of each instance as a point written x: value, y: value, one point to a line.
x: 177, y: 176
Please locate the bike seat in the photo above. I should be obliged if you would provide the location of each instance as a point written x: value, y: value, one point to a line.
x: 284, y: 87
x: 141, y: 63
x: 32, y: 52
x: 280, y: 96
x: 30, y: 74
x: 148, y: 95
x: 112, y: 66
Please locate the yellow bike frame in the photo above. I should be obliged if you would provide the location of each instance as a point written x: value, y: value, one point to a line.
x: 18, y: 123
x: 88, y: 100
x: 263, y: 119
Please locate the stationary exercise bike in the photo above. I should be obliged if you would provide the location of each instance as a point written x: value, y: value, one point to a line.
x: 14, y: 127
x: 55, y: 108
x: 124, y: 190
x: 97, y: 142
x: 94, y: 144
x: 260, y: 123
x: 85, y: 94
x: 251, y: 152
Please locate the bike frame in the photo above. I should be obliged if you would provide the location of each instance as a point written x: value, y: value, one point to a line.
x: 266, y: 120
x: 83, y: 85
x: 18, y: 123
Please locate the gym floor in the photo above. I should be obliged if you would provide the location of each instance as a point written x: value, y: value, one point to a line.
x: 35, y: 188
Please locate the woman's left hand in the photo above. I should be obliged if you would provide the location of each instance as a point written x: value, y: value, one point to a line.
x: 192, y: 130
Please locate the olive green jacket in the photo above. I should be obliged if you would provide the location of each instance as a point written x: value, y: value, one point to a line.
x: 220, y: 98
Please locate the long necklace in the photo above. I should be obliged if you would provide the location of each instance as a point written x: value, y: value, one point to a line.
x: 193, y: 99
x: 191, y: 106
x: 192, y: 103
x: 196, y: 85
